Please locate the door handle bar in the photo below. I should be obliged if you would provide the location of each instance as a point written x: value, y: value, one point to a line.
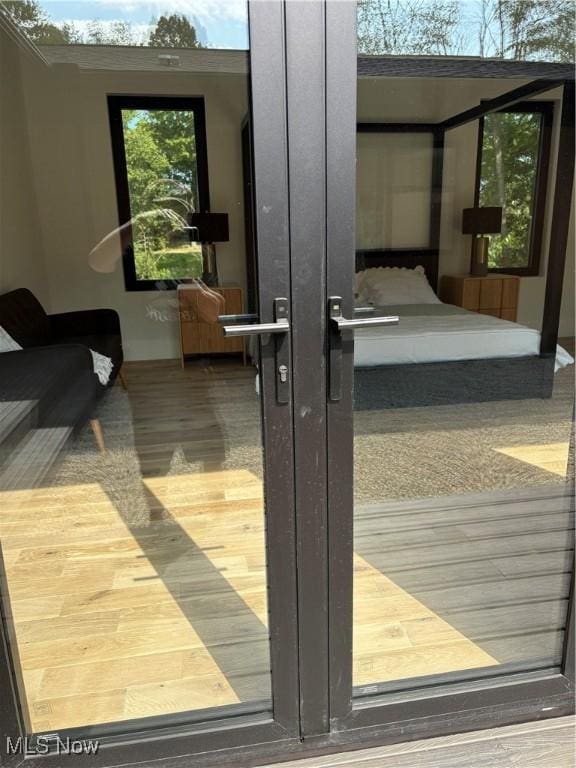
x: 279, y: 328
x: 223, y: 319
x: 339, y: 324
x: 241, y: 326
x: 343, y: 324
x: 255, y: 329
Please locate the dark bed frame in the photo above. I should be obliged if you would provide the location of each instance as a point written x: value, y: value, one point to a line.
x: 472, y: 381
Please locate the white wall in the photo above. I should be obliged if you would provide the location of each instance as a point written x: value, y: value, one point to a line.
x: 412, y: 100
x: 21, y: 253
x: 393, y: 188
x: 73, y: 170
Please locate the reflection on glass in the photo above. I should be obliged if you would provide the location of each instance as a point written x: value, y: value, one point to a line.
x: 524, y: 31
x: 463, y: 433
x: 510, y: 146
x: 132, y: 549
x: 219, y: 24
x: 161, y: 165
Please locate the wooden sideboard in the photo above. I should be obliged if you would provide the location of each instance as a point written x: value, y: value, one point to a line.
x: 494, y: 294
x: 198, y: 337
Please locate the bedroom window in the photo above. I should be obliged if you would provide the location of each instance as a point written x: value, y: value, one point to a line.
x: 161, y: 170
x: 512, y: 172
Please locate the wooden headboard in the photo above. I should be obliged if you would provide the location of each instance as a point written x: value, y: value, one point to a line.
x: 409, y: 258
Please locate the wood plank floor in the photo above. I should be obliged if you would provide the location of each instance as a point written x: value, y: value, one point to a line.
x: 546, y: 744
x: 116, y: 616
x: 116, y: 622
x: 494, y: 566
x: 553, y: 457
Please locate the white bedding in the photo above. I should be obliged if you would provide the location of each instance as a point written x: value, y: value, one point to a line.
x: 431, y: 338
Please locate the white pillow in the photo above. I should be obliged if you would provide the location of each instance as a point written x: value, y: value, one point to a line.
x: 384, y: 286
x: 360, y: 297
x: 7, y: 343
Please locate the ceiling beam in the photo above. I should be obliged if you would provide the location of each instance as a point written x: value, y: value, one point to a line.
x: 560, y: 226
x: 500, y: 102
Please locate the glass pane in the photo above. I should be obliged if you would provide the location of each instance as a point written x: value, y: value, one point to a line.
x: 463, y: 433
x: 510, y: 144
x: 162, y: 174
x: 131, y: 479
x: 509, y: 29
x: 141, y: 24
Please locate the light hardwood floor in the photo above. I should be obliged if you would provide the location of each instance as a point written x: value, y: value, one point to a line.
x: 113, y: 623
x: 117, y: 617
x: 553, y: 457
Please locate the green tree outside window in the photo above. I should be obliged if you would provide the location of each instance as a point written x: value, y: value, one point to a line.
x: 160, y: 149
x: 510, y: 149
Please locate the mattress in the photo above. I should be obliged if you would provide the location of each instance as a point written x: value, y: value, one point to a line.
x: 432, y: 333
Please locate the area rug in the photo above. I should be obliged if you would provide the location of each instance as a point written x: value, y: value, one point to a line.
x: 206, y: 418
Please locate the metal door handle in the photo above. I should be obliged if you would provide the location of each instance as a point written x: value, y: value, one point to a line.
x: 223, y: 319
x: 241, y: 328
x: 255, y: 329
x: 279, y: 328
x: 344, y: 324
x: 339, y: 324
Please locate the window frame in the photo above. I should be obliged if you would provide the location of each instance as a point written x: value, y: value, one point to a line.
x: 116, y: 103
x: 539, y: 200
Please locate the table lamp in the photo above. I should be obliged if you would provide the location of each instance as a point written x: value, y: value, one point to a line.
x: 480, y: 222
x: 207, y: 229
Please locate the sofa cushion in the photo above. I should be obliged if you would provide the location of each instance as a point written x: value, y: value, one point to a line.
x: 23, y: 318
x: 105, y: 343
x: 57, y: 380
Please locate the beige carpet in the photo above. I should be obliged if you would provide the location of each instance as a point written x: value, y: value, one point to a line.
x: 207, y: 419
x: 445, y: 450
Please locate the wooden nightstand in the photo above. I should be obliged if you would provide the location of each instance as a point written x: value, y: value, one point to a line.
x: 202, y: 338
x: 495, y: 295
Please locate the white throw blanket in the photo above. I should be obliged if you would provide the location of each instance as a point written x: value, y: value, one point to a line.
x: 102, y: 365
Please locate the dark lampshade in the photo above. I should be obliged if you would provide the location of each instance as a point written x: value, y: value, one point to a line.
x: 212, y: 227
x: 481, y: 221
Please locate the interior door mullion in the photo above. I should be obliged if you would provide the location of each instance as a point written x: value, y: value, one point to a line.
x: 306, y: 140
x: 340, y: 220
x: 271, y: 204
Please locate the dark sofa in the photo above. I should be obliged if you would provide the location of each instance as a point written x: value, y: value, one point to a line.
x: 51, y: 380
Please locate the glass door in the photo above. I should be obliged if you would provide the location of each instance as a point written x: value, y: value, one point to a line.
x: 146, y: 487
x: 286, y: 439
x: 451, y: 380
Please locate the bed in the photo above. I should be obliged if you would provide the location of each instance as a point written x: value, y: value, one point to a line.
x: 440, y: 354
